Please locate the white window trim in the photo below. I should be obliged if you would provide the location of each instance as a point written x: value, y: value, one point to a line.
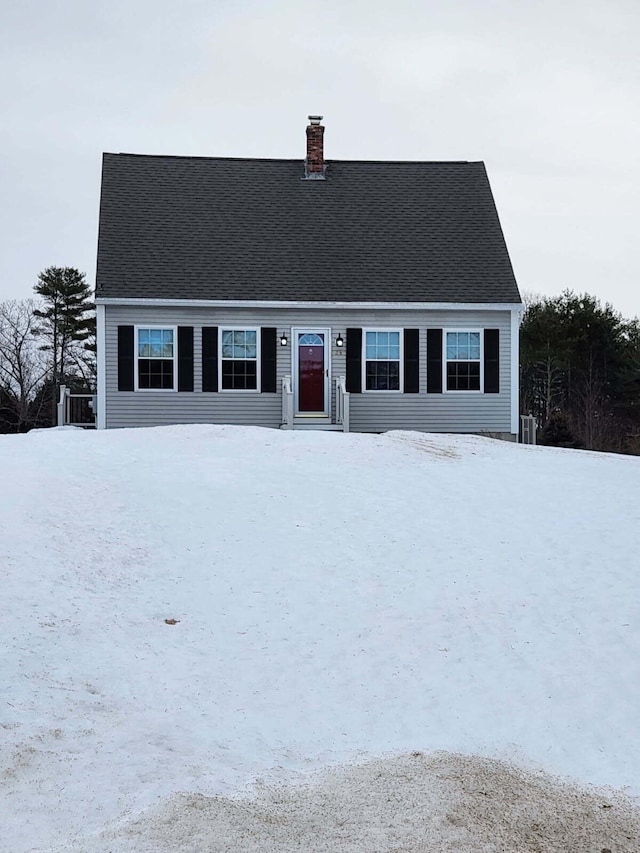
x: 136, y: 351
x: 258, y: 331
x: 446, y: 390
x: 366, y: 390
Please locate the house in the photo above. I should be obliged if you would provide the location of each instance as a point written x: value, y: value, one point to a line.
x: 304, y: 294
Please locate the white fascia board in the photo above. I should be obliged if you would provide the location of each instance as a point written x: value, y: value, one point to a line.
x: 516, y: 319
x: 257, y: 303
x: 101, y: 368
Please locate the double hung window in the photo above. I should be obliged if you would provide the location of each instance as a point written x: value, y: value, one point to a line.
x: 156, y: 358
x: 382, y: 360
x: 463, y: 361
x: 239, y: 356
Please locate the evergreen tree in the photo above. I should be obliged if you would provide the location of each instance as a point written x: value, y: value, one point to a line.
x: 67, y: 322
x: 580, y: 366
x: 557, y: 433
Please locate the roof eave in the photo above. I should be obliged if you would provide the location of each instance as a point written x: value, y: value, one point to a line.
x: 262, y: 303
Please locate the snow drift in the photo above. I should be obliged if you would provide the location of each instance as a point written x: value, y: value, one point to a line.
x: 190, y: 610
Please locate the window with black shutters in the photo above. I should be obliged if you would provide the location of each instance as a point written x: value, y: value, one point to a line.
x: 382, y: 360
x: 156, y: 358
x: 239, y: 359
x: 463, y: 358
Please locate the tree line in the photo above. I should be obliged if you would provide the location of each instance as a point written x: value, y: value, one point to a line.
x: 580, y: 373
x: 45, y: 342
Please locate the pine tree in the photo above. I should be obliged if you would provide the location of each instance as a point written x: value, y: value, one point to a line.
x: 557, y: 432
x: 67, y: 320
x: 581, y: 359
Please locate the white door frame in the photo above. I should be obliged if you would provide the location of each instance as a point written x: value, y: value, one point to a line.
x: 311, y: 330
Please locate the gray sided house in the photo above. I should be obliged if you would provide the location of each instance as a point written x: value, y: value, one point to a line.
x: 346, y: 295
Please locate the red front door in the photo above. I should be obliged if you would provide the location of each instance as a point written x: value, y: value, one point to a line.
x: 311, y: 373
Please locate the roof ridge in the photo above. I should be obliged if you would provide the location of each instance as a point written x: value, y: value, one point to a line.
x: 289, y: 159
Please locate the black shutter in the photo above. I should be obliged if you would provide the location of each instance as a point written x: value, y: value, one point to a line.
x: 185, y: 358
x: 125, y: 358
x: 434, y: 361
x: 411, y: 361
x: 354, y: 361
x: 268, y: 360
x: 210, y: 358
x: 492, y: 361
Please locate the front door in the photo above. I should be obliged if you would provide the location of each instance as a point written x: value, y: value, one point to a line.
x: 312, y: 371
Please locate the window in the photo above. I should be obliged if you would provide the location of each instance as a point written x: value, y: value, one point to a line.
x: 382, y: 361
x: 156, y: 358
x: 239, y: 359
x: 463, y: 359
x: 310, y: 340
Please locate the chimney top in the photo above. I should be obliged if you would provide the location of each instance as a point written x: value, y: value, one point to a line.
x: 314, y: 166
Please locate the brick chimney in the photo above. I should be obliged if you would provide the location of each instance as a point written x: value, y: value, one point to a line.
x: 314, y: 167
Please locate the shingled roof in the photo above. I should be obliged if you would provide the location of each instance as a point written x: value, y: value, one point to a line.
x: 232, y: 229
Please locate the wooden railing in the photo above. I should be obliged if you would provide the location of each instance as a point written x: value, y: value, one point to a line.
x: 76, y: 409
x: 342, y: 403
x: 528, y: 427
x: 287, y: 403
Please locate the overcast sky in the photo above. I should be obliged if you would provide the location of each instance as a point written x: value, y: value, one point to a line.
x: 546, y: 92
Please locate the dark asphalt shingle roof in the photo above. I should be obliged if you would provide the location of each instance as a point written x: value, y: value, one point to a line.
x: 216, y: 228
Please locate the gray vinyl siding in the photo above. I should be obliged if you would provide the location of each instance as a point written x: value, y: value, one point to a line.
x: 371, y: 411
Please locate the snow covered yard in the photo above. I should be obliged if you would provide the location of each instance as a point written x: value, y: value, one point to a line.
x: 338, y: 600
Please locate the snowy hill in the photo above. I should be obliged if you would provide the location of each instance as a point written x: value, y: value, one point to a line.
x: 337, y: 598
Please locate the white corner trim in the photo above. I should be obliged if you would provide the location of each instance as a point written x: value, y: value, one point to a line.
x: 516, y: 318
x: 101, y: 367
x: 259, y: 303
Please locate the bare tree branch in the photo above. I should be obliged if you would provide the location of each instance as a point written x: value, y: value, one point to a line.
x: 22, y: 365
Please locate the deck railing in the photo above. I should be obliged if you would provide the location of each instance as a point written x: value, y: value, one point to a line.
x: 528, y: 427
x: 76, y: 409
x: 342, y: 403
x: 287, y: 403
